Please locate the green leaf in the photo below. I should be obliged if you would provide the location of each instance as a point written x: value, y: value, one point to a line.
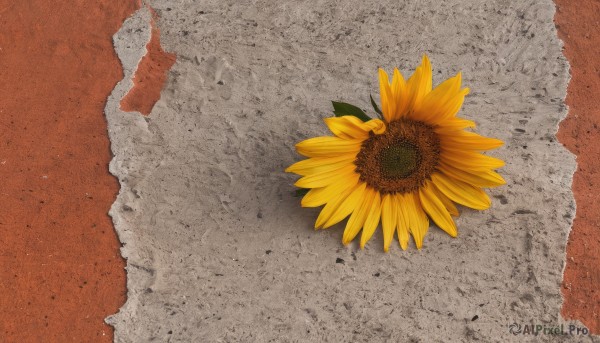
x: 344, y: 109
x: 300, y: 192
x: 375, y: 107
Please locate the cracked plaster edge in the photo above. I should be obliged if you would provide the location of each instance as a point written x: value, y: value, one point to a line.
x: 573, y: 162
x: 130, y: 46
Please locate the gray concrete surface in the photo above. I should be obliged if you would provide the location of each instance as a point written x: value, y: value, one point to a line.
x: 219, y: 250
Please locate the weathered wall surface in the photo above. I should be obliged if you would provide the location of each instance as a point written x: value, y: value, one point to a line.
x: 219, y: 250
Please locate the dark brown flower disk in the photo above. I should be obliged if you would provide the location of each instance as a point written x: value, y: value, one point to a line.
x: 401, y: 159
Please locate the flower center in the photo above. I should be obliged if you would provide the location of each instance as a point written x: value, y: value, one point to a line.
x: 401, y: 159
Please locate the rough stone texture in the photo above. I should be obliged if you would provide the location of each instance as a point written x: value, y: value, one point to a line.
x: 219, y: 250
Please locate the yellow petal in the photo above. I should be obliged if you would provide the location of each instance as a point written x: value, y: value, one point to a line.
x: 414, y: 89
x: 427, y: 74
x: 385, y: 92
x: 452, y: 125
x: 464, y: 140
x: 400, y: 95
x: 375, y: 125
x: 372, y: 220
x: 320, y: 196
x: 447, y: 110
x: 442, y: 103
x: 468, y: 160
x: 482, y: 178
x: 315, y: 197
x: 436, y: 210
x: 418, y: 221
x: 461, y: 192
x: 328, y: 146
x: 349, y: 205
x: 403, y: 220
x: 389, y: 219
x: 332, y: 206
x: 358, y: 217
x: 348, y: 127
x: 448, y: 204
x: 326, y: 178
x: 317, y: 165
x: 451, y: 108
x: 419, y: 84
x: 443, y: 92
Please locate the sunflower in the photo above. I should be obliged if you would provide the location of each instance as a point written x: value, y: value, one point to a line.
x: 411, y: 165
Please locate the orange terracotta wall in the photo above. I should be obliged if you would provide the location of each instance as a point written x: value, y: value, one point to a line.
x: 577, y: 23
x: 61, y: 272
